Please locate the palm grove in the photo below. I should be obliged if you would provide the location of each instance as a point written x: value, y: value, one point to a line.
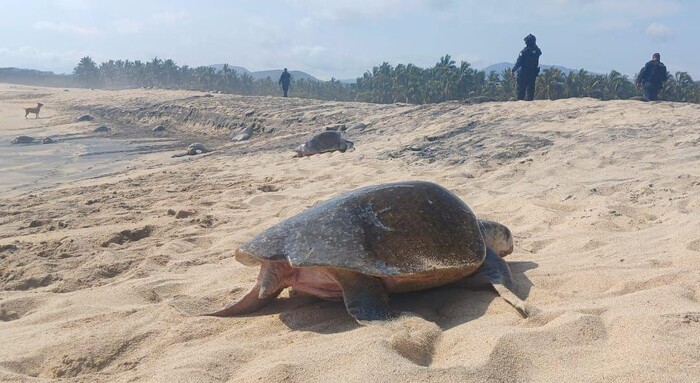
x: 384, y: 84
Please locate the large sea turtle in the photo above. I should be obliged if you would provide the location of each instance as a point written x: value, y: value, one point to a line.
x: 328, y: 141
x: 365, y: 244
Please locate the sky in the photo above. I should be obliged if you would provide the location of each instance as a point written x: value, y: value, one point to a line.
x: 345, y: 38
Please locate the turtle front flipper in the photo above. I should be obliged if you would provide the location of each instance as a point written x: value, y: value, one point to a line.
x: 251, y: 302
x: 271, y: 282
x: 496, y: 270
x: 365, y: 296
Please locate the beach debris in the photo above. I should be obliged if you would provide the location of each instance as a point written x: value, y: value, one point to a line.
x: 8, y: 248
x: 125, y: 236
x: 102, y: 129
x: 267, y: 188
x: 479, y: 100
x: 336, y: 128
x: 359, y: 126
x: 36, y: 223
x: 183, y: 214
x: 328, y: 141
x: 365, y: 244
x: 242, y: 135
x: 22, y: 140
x: 85, y: 117
x: 639, y: 98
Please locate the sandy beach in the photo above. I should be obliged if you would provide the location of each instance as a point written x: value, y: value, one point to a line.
x: 105, y: 237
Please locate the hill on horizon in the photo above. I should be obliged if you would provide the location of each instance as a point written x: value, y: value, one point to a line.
x: 274, y: 74
x: 500, y: 67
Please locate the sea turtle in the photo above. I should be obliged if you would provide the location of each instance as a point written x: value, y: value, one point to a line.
x: 365, y: 244
x: 22, y: 140
x: 102, y: 129
x: 197, y: 148
x: 194, y: 149
x: 328, y: 141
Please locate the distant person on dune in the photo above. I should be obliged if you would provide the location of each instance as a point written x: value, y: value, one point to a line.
x: 285, y: 79
x: 528, y: 67
x: 651, y: 78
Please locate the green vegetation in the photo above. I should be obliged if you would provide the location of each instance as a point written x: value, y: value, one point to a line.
x: 383, y: 84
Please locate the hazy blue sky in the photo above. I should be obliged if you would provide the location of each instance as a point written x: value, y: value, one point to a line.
x: 344, y: 38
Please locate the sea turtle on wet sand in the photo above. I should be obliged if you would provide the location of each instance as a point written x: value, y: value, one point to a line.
x: 194, y: 149
x: 328, y: 141
x: 365, y: 244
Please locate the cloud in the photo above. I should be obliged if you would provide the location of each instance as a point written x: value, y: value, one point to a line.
x: 310, y: 51
x: 630, y: 8
x: 168, y: 17
x: 127, y: 26
x: 66, y: 28
x: 611, y: 25
x: 77, y: 5
x: 659, y: 31
x: 31, y: 57
x: 341, y: 10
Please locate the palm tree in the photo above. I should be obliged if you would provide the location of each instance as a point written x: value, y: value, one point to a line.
x: 87, y: 72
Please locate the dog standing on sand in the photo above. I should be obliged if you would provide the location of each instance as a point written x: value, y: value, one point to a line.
x: 33, y: 110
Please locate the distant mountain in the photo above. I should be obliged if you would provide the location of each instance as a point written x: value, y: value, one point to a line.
x: 238, y: 69
x: 500, y: 67
x: 35, y: 77
x: 274, y: 74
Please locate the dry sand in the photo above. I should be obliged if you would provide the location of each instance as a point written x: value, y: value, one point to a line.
x: 603, y: 199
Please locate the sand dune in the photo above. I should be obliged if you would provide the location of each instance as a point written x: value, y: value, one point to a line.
x: 100, y: 242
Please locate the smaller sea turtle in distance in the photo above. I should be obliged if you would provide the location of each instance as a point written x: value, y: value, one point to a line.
x: 328, y: 141
x: 194, y: 149
x: 22, y: 140
x: 365, y: 244
x: 102, y: 129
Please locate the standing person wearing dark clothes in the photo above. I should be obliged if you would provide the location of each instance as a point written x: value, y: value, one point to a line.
x: 651, y: 78
x: 285, y: 79
x: 528, y: 67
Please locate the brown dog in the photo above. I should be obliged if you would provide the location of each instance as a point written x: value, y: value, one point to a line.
x: 33, y: 110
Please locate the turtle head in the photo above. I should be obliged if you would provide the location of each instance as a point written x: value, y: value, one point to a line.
x: 300, y: 150
x: 247, y: 258
x: 497, y: 236
x: 349, y: 145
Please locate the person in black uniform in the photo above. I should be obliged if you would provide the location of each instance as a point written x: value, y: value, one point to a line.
x: 651, y: 78
x: 285, y: 79
x: 528, y: 67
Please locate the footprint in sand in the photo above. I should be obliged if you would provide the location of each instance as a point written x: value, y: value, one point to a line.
x: 14, y: 309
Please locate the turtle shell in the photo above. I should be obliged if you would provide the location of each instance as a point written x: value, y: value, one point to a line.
x: 394, y: 229
x: 323, y: 142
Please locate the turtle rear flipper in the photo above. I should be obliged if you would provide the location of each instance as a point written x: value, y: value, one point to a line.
x: 496, y: 271
x: 365, y: 296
